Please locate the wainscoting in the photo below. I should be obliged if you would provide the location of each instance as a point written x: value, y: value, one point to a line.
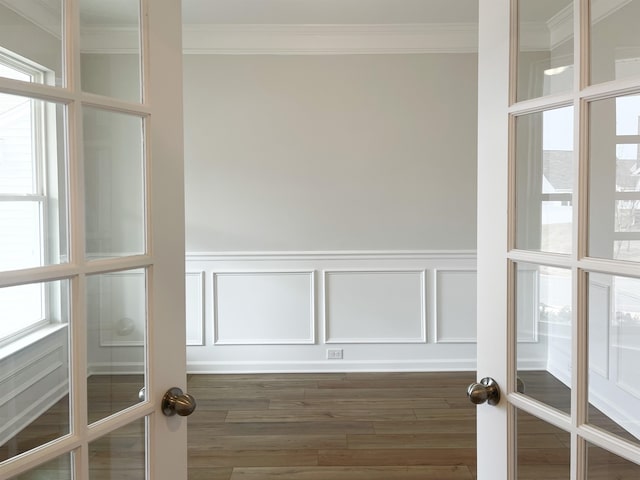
x: 282, y: 312
x: 35, y: 376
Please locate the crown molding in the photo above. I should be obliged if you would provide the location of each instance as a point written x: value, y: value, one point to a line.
x: 39, y: 12
x: 329, y: 39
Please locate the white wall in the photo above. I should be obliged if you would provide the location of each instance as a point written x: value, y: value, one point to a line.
x: 342, y: 152
x: 369, y: 159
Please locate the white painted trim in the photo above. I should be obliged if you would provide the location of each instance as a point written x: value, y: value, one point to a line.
x: 607, y: 340
x: 437, y: 338
x: 388, y: 340
x: 37, y: 12
x: 42, y: 374
x: 428, y: 365
x: 442, y: 255
x: 112, y: 39
x: 296, y: 39
x: 200, y: 274
x: 32, y: 411
x: 116, y: 368
x: 312, y: 313
x: 249, y: 39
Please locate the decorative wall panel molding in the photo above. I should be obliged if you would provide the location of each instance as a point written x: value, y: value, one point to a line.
x: 599, y: 321
x: 121, y: 311
x: 34, y: 379
x: 375, y: 306
x: 263, y: 311
x: 455, y: 306
x: 194, y: 297
x: 264, y: 308
x: 528, y: 307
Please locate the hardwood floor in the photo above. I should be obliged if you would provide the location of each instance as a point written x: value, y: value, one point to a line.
x: 342, y: 426
x: 332, y: 426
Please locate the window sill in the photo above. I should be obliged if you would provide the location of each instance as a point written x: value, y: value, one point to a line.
x: 15, y: 346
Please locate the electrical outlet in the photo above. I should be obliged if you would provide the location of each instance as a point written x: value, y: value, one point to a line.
x: 334, y: 354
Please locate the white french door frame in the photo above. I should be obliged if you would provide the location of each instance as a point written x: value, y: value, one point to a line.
x: 497, y: 256
x: 161, y: 114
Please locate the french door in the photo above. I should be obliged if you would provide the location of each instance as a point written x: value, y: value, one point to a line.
x: 559, y: 238
x: 91, y: 219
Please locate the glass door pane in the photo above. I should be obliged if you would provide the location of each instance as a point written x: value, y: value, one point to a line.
x: 545, y: 39
x: 614, y: 354
x: 33, y: 183
x: 116, y: 341
x: 615, y: 43
x: 543, y: 310
x: 31, y: 41
x: 544, y: 180
x: 114, y: 184
x: 34, y: 384
x: 111, y: 56
x: 614, y: 178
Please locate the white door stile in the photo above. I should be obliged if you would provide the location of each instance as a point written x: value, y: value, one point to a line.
x: 161, y: 112
x: 493, y: 100
x: 497, y: 255
x: 167, y: 340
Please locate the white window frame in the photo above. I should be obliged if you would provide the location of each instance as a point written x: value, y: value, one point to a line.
x: 43, y: 119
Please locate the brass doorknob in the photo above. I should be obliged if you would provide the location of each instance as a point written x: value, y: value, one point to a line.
x: 485, y: 391
x: 175, y: 401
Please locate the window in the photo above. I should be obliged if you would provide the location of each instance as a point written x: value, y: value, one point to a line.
x: 30, y: 201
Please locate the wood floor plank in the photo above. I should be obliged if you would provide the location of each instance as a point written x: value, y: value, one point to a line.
x: 320, y: 415
x: 380, y: 393
x: 197, y: 442
x: 351, y: 473
x: 361, y: 403
x: 446, y: 425
x: 253, y: 458
x: 350, y: 426
x: 426, y: 440
x: 287, y: 428
x: 398, y: 456
x: 210, y: 473
x: 445, y: 413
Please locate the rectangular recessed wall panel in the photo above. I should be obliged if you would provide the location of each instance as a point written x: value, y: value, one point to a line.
x: 528, y: 304
x: 599, y: 311
x: 375, y: 306
x: 194, y: 288
x: 455, y: 294
x: 264, y: 308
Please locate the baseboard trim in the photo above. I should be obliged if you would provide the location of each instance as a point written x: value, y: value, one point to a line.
x: 329, y: 366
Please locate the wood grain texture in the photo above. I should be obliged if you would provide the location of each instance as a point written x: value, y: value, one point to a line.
x: 333, y: 426
x: 337, y: 426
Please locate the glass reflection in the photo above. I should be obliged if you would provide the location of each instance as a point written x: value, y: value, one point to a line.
x: 110, y: 60
x: 116, y: 338
x: 543, y: 449
x: 614, y: 354
x: 543, y: 303
x: 544, y: 180
x: 114, y: 184
x: 615, y: 43
x: 57, y: 469
x: 120, y: 454
x: 545, y: 57
x: 31, y: 45
x: 33, y: 188
x: 34, y: 381
x: 614, y: 171
x: 604, y: 465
